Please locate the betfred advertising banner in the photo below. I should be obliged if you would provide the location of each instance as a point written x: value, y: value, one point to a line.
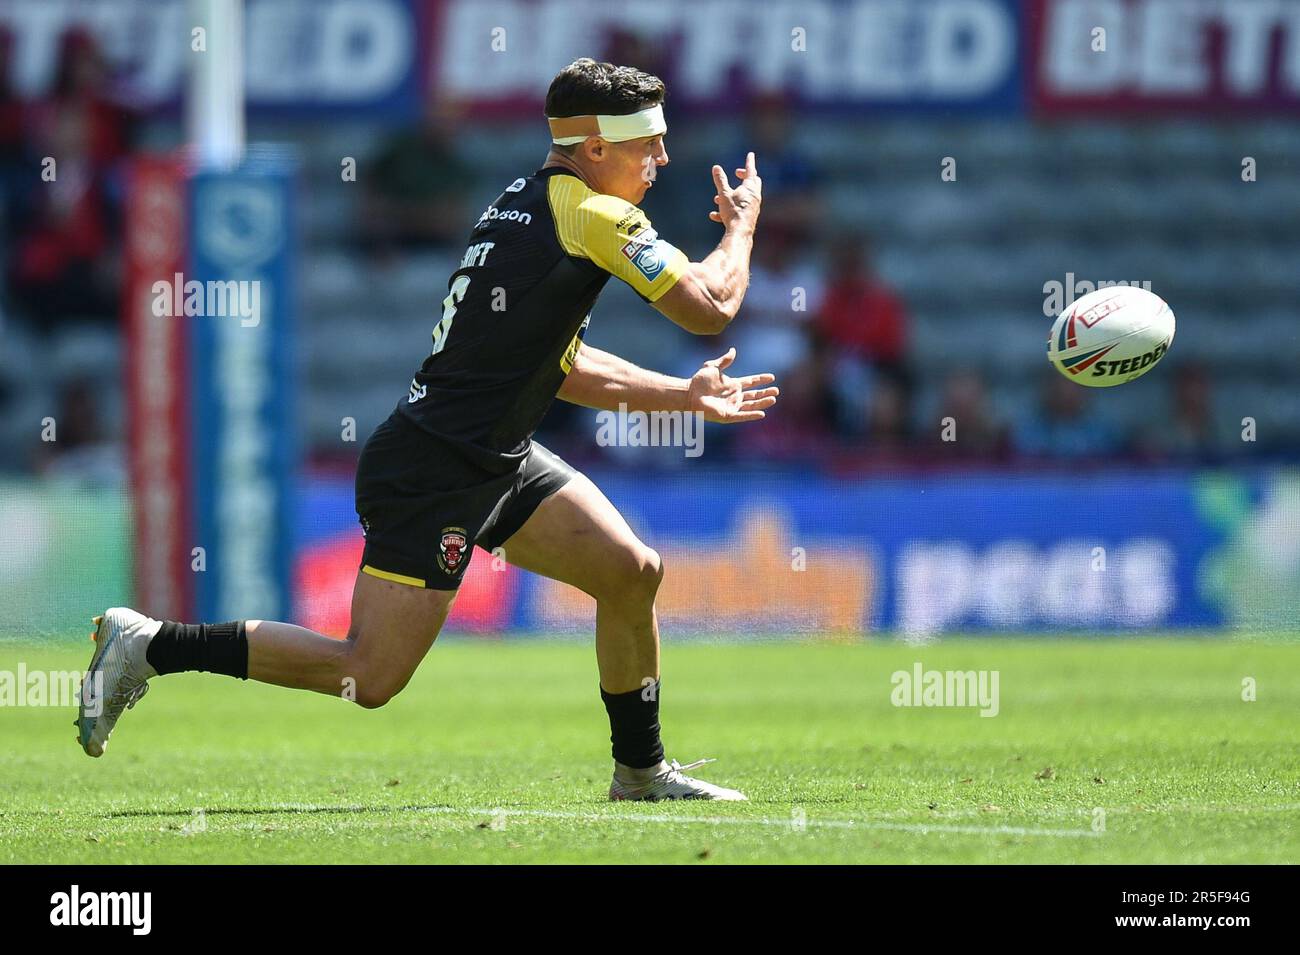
x: 1196, y: 56
x: 500, y: 55
x: 323, y: 56
x: 384, y: 59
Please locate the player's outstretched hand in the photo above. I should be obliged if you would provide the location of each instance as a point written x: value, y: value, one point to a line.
x: 728, y: 400
x: 743, y: 202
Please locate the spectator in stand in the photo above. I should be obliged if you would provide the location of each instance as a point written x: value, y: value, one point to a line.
x: 13, y: 129
x: 82, y: 451
x: 83, y: 87
x: 790, y: 196
x: 1189, y: 431
x: 978, y: 431
x: 889, y: 429
x: 803, y: 429
x: 866, y: 323
x: 64, y: 261
x: 1066, y: 424
x: 859, y: 313
x: 785, y: 291
x: 871, y: 416
x: 62, y: 267
x: 415, y: 187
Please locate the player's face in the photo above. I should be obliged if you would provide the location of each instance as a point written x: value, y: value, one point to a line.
x: 633, y: 166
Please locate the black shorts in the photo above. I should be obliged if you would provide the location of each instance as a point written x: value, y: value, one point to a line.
x: 423, y: 505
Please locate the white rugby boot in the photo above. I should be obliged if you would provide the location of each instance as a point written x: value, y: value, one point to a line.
x: 666, y: 781
x: 118, y: 674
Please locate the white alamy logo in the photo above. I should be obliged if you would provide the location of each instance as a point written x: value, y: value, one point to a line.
x: 1058, y: 295
x: 103, y: 908
x: 231, y: 298
x: 921, y: 687
x: 651, y: 429
x: 62, y: 688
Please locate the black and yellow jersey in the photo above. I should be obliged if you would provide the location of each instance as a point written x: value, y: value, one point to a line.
x: 518, y: 305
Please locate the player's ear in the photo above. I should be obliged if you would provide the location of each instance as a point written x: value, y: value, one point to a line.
x: 595, y: 148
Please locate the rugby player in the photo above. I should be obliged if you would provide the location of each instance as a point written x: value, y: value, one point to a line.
x: 455, y: 465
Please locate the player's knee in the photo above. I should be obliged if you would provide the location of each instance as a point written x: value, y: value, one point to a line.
x: 372, y: 696
x: 373, y: 686
x: 654, y: 574
x: 640, y: 573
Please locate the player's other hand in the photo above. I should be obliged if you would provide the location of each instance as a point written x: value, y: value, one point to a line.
x: 739, y: 205
x: 728, y: 400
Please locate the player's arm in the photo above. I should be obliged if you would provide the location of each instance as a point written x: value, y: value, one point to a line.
x: 708, y: 294
x: 609, y: 383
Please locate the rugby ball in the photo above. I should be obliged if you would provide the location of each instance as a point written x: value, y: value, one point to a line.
x: 1111, y: 336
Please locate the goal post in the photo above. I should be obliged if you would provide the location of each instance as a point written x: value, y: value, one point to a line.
x: 214, y: 101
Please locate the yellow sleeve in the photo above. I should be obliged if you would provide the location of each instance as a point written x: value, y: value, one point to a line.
x: 615, y: 235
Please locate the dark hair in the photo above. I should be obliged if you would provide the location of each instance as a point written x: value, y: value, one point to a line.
x: 586, y: 87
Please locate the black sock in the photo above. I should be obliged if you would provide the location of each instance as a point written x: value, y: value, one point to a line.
x: 210, y: 647
x: 634, y: 726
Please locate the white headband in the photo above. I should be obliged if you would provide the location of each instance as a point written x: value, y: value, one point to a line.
x: 568, y: 130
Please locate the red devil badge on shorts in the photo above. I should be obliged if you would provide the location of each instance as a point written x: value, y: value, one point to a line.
x: 453, y: 550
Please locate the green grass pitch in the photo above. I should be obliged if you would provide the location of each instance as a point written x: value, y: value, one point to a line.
x: 1105, y: 751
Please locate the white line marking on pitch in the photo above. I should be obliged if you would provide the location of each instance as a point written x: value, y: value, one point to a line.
x: 919, y: 828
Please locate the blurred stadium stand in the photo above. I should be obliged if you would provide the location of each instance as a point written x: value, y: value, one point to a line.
x: 1154, y: 202
x: 1032, y: 202
x: 1158, y: 202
